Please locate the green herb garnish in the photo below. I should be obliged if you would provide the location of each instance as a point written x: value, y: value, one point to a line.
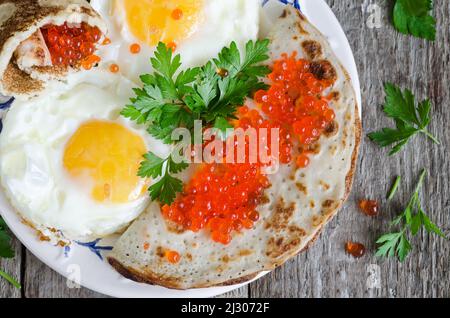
x: 168, y: 186
x: 410, y: 119
x: 413, y: 17
x: 394, y: 188
x: 10, y: 279
x: 6, y: 251
x: 411, y: 221
x: 171, y: 98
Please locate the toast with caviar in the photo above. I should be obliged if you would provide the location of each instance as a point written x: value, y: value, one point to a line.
x: 43, y: 41
x: 257, y: 227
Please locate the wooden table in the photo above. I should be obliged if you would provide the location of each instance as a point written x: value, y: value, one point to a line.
x: 325, y: 270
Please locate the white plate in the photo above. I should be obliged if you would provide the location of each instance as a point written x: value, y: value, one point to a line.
x: 96, y: 274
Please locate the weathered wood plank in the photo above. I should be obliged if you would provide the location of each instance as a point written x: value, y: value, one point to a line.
x: 325, y: 271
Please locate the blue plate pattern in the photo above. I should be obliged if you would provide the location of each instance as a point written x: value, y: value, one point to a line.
x: 93, y: 247
x: 6, y: 104
x: 294, y: 3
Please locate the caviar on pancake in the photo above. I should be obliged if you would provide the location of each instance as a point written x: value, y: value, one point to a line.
x: 223, y: 197
x: 295, y: 99
x: 72, y: 45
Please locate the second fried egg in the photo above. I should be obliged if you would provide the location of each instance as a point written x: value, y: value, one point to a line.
x: 196, y: 29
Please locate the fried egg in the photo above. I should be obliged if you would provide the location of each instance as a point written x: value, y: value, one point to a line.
x: 69, y: 161
x: 196, y: 29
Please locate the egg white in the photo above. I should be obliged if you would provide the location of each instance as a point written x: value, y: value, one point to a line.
x: 32, y: 145
x: 224, y: 21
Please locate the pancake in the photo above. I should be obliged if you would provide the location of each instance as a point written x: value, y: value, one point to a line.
x: 25, y: 68
x: 298, y: 204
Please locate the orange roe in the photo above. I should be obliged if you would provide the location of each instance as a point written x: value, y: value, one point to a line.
x: 172, y: 257
x: 106, y: 41
x: 295, y: 99
x: 369, y: 207
x: 90, y: 61
x: 172, y: 45
x: 254, y: 119
x: 302, y: 161
x: 223, y: 198
x: 146, y: 246
x: 177, y: 14
x: 114, y: 68
x: 135, y: 48
x: 355, y: 249
x: 69, y: 45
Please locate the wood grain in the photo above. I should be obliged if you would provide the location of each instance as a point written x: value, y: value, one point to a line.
x: 325, y: 270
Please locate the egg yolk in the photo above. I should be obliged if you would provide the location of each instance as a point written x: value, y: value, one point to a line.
x: 153, y: 21
x: 109, y: 155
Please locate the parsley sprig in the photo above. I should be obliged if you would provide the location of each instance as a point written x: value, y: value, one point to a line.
x: 413, y: 17
x: 410, y: 118
x: 6, y: 251
x: 167, y: 186
x: 412, y: 219
x: 172, y: 98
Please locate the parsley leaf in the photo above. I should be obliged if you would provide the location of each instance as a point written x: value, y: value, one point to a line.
x: 152, y: 166
x: 255, y: 52
x: 394, y: 188
x: 410, y: 119
x: 172, y: 98
x: 413, y: 17
x: 163, y: 61
x: 413, y: 218
x: 223, y: 126
x: 176, y: 167
x: 166, y: 188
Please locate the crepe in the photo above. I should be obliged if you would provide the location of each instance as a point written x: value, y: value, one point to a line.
x: 20, y: 22
x: 297, y: 206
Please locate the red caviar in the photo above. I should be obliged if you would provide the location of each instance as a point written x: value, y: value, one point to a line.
x: 173, y: 257
x: 223, y: 197
x: 294, y: 99
x: 106, y: 41
x: 70, y: 45
x: 355, y: 249
x: 302, y: 161
x: 114, y: 68
x: 90, y: 61
x: 369, y: 207
x: 135, y: 48
x: 177, y: 14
